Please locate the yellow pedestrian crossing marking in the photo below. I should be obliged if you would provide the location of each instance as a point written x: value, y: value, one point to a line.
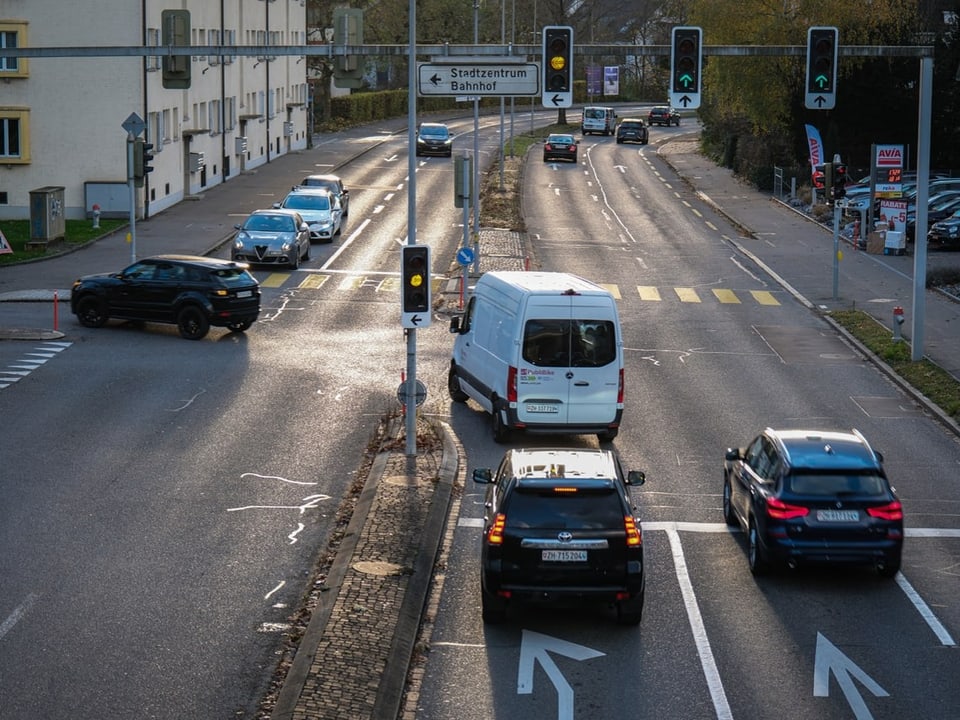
x: 764, y: 297
x: 275, y: 280
x: 687, y: 295
x: 314, y: 282
x: 648, y: 292
x: 727, y: 296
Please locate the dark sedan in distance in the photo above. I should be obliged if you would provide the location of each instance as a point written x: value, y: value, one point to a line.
x: 560, y: 147
x: 272, y: 237
x: 813, y: 496
x: 190, y: 292
x: 632, y: 130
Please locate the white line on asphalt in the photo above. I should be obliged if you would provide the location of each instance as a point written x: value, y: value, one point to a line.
x: 18, y: 613
x: 925, y: 612
x: 346, y: 243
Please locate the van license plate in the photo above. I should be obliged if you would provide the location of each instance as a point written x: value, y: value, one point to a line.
x: 543, y: 408
x: 838, y: 515
x: 564, y: 555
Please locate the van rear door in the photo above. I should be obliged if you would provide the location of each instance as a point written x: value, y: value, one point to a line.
x: 569, y: 367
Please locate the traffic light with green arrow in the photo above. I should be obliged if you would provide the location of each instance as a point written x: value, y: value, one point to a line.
x: 686, y: 60
x: 822, y: 46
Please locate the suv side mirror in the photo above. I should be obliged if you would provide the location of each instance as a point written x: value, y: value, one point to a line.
x: 483, y: 475
x: 455, y: 325
x: 636, y: 477
x: 733, y: 454
x: 277, y: 206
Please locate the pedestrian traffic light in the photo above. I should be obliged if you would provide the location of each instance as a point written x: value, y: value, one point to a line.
x: 686, y: 60
x: 415, y: 279
x: 558, y: 66
x: 822, y: 46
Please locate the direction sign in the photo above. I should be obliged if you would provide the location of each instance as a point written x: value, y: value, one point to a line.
x: 478, y: 79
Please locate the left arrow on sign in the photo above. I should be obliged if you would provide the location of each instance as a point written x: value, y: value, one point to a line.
x: 436, y: 79
x: 829, y: 659
x: 536, y: 647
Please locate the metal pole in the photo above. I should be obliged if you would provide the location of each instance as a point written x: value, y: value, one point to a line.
x: 920, y: 233
x: 133, y: 198
x: 411, y: 404
x: 503, y: 39
x: 476, y: 154
x: 467, y: 174
x: 836, y: 247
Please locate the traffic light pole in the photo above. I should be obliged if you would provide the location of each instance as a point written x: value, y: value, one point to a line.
x: 411, y: 399
x: 132, y: 235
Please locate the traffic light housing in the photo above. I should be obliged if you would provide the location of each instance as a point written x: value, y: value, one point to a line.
x: 557, y: 59
x: 415, y: 278
x: 686, y: 61
x: 822, y: 47
x: 141, y: 161
x: 839, y: 189
x: 175, y: 32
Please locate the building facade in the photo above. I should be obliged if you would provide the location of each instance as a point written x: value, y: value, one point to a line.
x: 63, y: 119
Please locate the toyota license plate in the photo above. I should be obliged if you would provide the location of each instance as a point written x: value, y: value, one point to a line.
x: 564, y: 555
x: 542, y: 408
x: 838, y: 515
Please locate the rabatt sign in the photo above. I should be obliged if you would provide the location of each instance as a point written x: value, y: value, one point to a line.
x: 486, y: 76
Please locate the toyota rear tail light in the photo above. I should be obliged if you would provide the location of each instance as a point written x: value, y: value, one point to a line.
x: 495, y: 534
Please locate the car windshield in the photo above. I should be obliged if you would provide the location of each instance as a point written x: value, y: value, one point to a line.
x: 585, y: 509
x: 433, y: 131
x: 269, y: 223
x: 307, y: 202
x: 833, y: 483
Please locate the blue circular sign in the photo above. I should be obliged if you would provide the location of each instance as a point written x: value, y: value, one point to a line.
x: 465, y: 256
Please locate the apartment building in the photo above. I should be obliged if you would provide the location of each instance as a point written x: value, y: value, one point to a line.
x: 63, y: 119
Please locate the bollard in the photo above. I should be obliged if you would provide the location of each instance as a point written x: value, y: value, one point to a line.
x: 96, y: 216
x: 56, y: 310
x: 897, y: 323
x: 856, y: 234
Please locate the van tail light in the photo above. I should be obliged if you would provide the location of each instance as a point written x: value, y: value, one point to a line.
x: 780, y: 510
x: 495, y: 534
x: 511, y: 384
x: 620, y: 388
x: 634, y: 538
x: 890, y: 511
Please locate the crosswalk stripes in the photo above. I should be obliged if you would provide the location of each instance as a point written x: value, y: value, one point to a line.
x: 647, y: 293
x: 30, y: 361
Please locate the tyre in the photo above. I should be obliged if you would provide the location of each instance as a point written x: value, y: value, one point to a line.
x: 630, y: 612
x: 889, y: 568
x: 92, y: 311
x: 306, y: 255
x: 295, y: 261
x: 494, y: 610
x: 728, y: 514
x: 619, y: 141
x: 192, y: 322
x: 239, y: 325
x: 501, y: 433
x: 756, y: 555
x: 608, y: 436
x: 453, y: 387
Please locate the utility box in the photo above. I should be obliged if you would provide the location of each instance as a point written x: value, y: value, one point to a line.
x: 197, y: 163
x: 241, y: 144
x: 47, y: 221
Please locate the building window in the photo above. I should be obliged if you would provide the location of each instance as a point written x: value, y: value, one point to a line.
x: 12, y: 35
x: 14, y: 136
x: 153, y: 40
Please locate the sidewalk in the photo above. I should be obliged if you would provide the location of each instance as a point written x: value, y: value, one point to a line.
x: 356, y: 650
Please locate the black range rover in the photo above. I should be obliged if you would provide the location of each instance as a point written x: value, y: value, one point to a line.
x: 188, y: 291
x: 560, y: 525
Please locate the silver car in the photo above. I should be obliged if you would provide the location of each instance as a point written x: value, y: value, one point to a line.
x: 272, y: 237
x: 319, y: 209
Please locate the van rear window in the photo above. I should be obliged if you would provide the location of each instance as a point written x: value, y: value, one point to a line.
x: 569, y: 343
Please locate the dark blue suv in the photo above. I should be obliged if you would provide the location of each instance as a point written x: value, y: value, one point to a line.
x: 813, y: 496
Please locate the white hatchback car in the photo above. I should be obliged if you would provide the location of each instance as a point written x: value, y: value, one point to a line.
x: 319, y: 209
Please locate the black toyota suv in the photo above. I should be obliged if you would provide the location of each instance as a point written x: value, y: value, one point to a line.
x: 560, y: 525
x: 188, y: 291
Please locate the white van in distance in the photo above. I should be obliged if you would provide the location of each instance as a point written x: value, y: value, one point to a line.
x: 541, y: 352
x: 601, y: 120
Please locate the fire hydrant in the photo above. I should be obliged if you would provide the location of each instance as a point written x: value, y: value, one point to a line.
x: 897, y: 323
x: 96, y: 216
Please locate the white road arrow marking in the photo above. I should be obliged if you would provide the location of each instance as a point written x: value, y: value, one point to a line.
x: 828, y: 660
x: 536, y: 647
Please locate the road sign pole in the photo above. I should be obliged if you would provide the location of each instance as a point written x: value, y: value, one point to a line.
x: 411, y: 418
x: 133, y: 198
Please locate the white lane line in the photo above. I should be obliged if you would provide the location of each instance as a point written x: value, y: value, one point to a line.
x: 925, y: 612
x: 18, y: 613
x: 707, y: 661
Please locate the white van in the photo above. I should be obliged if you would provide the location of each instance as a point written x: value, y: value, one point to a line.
x: 541, y: 352
x: 601, y: 120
